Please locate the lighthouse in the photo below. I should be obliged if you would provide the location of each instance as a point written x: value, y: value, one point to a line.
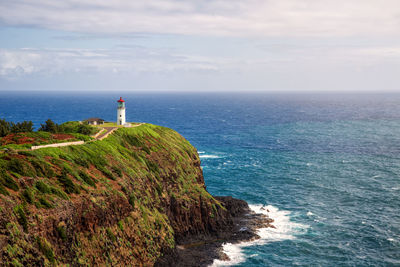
x: 121, y: 112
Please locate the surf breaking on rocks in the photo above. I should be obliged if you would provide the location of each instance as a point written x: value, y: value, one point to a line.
x: 285, y: 229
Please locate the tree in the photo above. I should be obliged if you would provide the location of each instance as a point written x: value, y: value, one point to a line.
x: 85, y: 129
x: 49, y: 126
x: 20, y: 127
x: 5, y: 127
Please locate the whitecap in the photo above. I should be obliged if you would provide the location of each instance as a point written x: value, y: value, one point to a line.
x: 285, y: 230
x: 206, y: 156
x: 310, y: 213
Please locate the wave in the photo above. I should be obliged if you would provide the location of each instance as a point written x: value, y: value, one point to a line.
x: 285, y: 230
x: 206, y: 156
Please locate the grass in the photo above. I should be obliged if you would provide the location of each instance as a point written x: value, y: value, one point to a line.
x: 26, y: 140
x: 27, y: 195
x: 21, y: 216
x: 140, y: 165
x: 113, y: 124
x: 46, y: 248
x: 7, y: 181
x: 62, y: 232
x: 42, y: 187
x: 68, y: 184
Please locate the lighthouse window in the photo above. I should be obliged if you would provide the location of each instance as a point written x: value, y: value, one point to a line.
x: 120, y: 115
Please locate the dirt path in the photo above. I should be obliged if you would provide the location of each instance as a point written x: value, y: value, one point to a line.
x: 101, y: 136
x: 109, y: 130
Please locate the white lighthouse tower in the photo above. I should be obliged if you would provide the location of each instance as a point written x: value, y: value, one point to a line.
x: 121, y: 112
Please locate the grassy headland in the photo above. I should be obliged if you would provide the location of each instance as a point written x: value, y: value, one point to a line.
x: 119, y: 201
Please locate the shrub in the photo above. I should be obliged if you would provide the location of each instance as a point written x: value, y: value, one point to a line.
x: 49, y: 126
x: 5, y: 128
x: 67, y: 183
x: 132, y: 199
x: 111, y: 235
x: 62, y: 232
x: 121, y: 225
x: 42, y: 168
x: 21, y: 167
x: 117, y: 171
x: 152, y: 166
x: 45, y: 248
x: 87, y: 179
x: 42, y: 187
x: 82, y: 162
x: 45, y: 203
x: 3, y: 190
x: 106, y: 173
x: 21, y: 217
x: 59, y: 193
x: 20, y: 127
x: 27, y: 195
x: 86, y: 129
x: 8, y: 181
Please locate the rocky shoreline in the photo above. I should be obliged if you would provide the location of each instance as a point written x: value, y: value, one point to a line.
x: 201, y: 250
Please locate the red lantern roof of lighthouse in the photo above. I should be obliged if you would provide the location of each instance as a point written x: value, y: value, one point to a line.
x: 121, y: 100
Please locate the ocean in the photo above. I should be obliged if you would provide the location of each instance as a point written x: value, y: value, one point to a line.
x: 325, y: 167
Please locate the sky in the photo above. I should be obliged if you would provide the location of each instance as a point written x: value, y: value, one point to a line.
x: 208, y: 45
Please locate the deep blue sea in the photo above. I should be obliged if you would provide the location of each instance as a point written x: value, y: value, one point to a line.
x: 325, y: 166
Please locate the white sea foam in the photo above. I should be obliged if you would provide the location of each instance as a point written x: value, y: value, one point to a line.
x: 285, y: 230
x: 206, y: 156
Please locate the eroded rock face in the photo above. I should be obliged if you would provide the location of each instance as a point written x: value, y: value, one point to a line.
x: 125, y: 200
x: 237, y: 224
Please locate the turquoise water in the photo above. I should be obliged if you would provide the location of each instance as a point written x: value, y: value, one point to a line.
x: 327, y: 165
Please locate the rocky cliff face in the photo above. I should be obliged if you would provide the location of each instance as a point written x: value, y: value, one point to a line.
x: 124, y: 200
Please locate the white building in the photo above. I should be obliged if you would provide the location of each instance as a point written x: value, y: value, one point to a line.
x: 121, y: 120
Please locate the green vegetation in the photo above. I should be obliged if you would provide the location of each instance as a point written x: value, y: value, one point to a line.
x: 8, y: 181
x: 87, y: 179
x: 50, y: 126
x: 11, y: 127
x: 27, y: 195
x: 62, y: 232
x: 77, y: 127
x: 42, y: 187
x: 45, y: 248
x: 21, y: 217
x: 44, y: 203
x: 21, y: 135
x: 68, y: 184
x: 105, y: 197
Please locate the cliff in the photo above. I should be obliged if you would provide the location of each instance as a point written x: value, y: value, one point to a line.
x: 125, y: 200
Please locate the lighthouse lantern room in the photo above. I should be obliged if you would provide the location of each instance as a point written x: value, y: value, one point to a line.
x: 121, y: 112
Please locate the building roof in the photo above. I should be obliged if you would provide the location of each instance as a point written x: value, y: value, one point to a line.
x: 94, y: 119
x: 120, y: 100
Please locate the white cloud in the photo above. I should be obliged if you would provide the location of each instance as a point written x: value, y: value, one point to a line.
x: 15, y: 63
x: 258, y: 18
